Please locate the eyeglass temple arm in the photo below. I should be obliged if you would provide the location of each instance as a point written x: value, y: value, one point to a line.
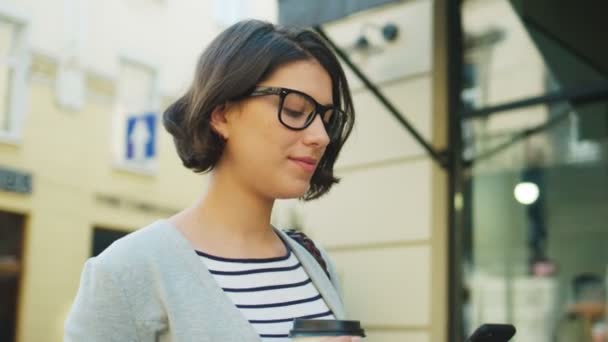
x: 266, y: 91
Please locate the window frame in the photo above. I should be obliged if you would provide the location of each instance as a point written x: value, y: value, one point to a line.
x: 19, y: 61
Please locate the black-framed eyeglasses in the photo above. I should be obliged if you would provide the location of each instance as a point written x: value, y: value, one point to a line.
x: 297, y: 110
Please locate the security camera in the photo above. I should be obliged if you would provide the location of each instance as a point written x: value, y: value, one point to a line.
x: 390, y: 32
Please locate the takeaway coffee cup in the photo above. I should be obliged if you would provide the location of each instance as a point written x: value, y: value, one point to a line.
x: 315, y: 330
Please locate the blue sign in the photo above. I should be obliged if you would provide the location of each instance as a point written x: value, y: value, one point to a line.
x: 141, y: 137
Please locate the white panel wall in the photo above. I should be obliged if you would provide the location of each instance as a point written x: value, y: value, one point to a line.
x: 378, y: 135
x: 374, y: 205
x: 387, y: 286
x: 377, y: 223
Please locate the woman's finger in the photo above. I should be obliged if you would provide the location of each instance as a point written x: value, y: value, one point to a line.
x: 342, y: 339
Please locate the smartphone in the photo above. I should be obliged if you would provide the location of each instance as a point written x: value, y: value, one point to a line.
x: 493, y: 333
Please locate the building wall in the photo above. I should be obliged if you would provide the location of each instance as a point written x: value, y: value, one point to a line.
x: 382, y: 224
x: 68, y: 154
x: 68, y: 150
x: 167, y: 34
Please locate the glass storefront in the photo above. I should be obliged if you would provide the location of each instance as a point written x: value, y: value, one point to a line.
x: 535, y: 200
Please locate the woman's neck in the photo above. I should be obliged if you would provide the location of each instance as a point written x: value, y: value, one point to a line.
x: 231, y: 221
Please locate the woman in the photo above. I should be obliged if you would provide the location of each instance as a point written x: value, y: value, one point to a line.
x: 267, y: 114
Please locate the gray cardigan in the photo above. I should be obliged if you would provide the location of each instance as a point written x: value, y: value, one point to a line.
x: 151, y: 286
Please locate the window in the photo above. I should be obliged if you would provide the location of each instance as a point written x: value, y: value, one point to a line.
x: 13, y: 66
x: 534, y: 242
x: 136, y: 117
x: 103, y: 238
x: 70, y: 79
x: 7, y: 30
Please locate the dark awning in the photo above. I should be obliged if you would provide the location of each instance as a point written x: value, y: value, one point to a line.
x: 316, y: 12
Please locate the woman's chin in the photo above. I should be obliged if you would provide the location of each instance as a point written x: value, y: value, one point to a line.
x: 290, y: 194
x: 295, y: 190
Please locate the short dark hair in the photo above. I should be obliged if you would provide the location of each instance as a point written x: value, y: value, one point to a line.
x: 238, y: 59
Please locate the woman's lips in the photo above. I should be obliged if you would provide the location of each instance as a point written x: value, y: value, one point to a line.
x: 308, y: 164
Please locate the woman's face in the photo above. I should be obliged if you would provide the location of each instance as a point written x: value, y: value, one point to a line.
x: 264, y: 155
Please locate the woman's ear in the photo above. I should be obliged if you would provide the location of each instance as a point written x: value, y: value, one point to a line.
x: 219, y: 121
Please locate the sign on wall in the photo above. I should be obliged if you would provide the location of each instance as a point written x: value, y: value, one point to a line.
x: 15, y: 181
x: 140, y: 137
x: 135, y: 148
x: 135, y: 117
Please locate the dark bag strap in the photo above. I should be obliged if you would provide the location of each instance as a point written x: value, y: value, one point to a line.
x: 309, y: 245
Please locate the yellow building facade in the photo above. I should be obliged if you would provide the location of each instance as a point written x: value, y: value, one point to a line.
x: 61, y: 139
x: 75, y: 187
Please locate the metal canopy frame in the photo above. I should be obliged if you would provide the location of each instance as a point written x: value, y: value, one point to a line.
x: 578, y: 95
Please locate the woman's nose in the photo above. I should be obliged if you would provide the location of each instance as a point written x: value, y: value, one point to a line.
x: 316, y: 133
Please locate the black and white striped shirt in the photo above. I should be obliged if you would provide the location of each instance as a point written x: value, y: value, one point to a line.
x: 269, y: 292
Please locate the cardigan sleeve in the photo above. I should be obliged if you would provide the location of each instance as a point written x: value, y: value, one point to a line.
x: 101, y: 311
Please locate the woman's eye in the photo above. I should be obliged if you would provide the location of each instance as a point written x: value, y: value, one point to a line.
x: 293, y: 113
